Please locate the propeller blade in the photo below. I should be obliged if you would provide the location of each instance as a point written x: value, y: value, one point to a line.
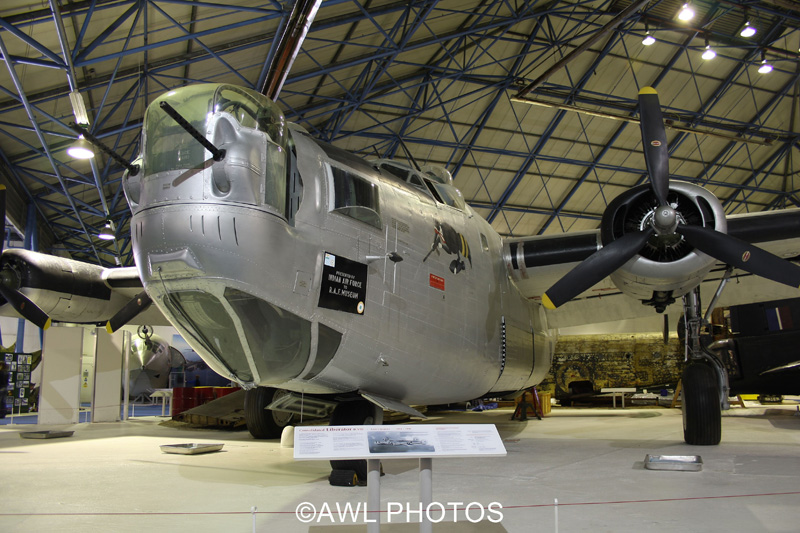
x: 741, y: 254
x: 129, y: 311
x: 22, y: 305
x: 599, y: 265
x: 654, y: 142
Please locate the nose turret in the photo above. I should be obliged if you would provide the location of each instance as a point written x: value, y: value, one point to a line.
x: 244, y: 159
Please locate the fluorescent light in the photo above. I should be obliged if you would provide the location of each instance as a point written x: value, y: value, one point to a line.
x: 78, y: 108
x: 648, y: 39
x: 686, y: 13
x: 709, y: 53
x: 81, y: 149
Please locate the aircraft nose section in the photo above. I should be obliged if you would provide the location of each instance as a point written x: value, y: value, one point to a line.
x: 241, y: 336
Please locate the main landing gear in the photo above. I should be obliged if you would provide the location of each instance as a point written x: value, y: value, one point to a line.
x: 348, y: 473
x: 264, y: 423
x: 705, y: 379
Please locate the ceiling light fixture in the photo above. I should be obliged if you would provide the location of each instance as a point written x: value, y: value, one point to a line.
x: 81, y: 149
x: 709, y: 53
x: 79, y: 108
x: 765, y: 67
x: 648, y: 39
x: 748, y: 30
x: 686, y: 13
x: 108, y: 232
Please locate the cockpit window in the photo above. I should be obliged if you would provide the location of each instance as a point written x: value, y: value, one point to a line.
x: 395, y: 170
x: 355, y: 197
x: 447, y: 194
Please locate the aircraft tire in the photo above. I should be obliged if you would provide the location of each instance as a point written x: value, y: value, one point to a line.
x: 702, y: 417
x: 354, y: 413
x: 264, y: 423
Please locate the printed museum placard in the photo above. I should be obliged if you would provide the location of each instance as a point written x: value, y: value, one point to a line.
x: 424, y: 440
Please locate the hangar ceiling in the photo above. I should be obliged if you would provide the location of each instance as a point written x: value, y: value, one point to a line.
x: 531, y: 105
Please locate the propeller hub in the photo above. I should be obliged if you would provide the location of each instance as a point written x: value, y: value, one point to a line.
x: 665, y: 220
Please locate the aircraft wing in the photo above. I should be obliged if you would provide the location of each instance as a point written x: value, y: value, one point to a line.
x: 536, y: 263
x: 71, y: 291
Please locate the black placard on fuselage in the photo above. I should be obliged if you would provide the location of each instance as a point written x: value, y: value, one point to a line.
x: 344, y: 285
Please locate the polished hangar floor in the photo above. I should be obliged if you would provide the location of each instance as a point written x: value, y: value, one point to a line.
x: 113, y: 477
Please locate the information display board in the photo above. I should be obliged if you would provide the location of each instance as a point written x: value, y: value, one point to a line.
x: 396, y: 442
x: 18, y: 370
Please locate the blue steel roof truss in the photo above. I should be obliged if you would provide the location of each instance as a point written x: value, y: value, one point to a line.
x: 431, y: 73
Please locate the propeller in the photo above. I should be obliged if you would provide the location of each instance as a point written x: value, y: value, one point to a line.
x: 129, y: 311
x: 21, y: 304
x: 665, y: 222
x: 599, y: 265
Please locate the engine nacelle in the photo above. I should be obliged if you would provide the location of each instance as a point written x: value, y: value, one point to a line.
x: 667, y: 267
x: 66, y: 290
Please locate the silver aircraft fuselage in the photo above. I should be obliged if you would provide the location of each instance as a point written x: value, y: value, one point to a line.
x: 293, y: 264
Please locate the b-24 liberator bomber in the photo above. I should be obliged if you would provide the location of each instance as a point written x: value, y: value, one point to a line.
x: 315, y: 278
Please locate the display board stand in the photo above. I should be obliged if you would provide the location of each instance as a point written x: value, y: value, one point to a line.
x: 374, y: 443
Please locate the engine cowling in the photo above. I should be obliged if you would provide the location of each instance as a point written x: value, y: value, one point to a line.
x: 667, y: 267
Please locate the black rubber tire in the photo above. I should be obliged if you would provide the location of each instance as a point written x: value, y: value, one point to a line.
x: 264, y: 423
x: 702, y: 416
x: 352, y: 413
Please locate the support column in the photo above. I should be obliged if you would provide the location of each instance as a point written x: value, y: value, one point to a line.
x: 373, y: 495
x: 60, y: 392
x: 426, y: 492
x: 108, y: 354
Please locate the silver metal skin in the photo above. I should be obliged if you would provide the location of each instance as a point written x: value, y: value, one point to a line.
x: 240, y: 274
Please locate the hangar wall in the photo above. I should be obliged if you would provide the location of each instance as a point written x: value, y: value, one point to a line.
x: 640, y: 360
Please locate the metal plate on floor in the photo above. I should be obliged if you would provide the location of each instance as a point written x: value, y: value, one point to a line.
x: 45, y: 434
x: 690, y: 463
x: 192, y: 448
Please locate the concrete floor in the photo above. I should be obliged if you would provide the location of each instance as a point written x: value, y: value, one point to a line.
x: 114, y: 477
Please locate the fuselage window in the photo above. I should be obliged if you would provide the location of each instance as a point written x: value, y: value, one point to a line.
x: 400, y: 172
x: 355, y: 197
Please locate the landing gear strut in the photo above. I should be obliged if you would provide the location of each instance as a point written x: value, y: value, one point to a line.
x: 705, y: 380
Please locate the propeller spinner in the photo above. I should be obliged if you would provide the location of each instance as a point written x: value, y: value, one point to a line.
x: 667, y: 223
